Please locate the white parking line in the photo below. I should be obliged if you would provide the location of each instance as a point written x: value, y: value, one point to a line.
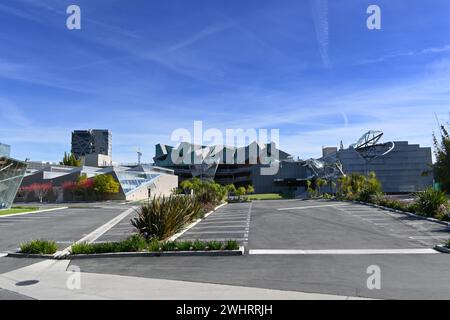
x: 217, y: 227
x: 429, y: 237
x: 97, y: 233
x: 32, y: 212
x: 221, y: 222
x: 214, y: 232
x: 310, y: 207
x: 215, y: 239
x: 342, y: 252
x: 243, y: 219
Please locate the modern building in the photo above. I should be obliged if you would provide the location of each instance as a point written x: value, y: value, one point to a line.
x: 5, y: 150
x: 136, y: 183
x: 226, y: 165
x: 407, y: 168
x: 86, y: 142
x: 11, y: 174
x: 401, y: 167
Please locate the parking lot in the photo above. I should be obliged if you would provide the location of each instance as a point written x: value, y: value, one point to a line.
x: 63, y: 226
x: 285, y: 226
x: 306, y: 246
x: 230, y: 222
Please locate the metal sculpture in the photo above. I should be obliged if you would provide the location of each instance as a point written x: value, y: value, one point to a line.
x: 369, y: 148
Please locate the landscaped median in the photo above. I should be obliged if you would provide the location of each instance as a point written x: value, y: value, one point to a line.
x: 158, y: 222
x: 136, y: 245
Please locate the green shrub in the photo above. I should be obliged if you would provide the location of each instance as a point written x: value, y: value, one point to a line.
x: 184, y: 245
x: 359, y: 187
x: 39, y: 247
x: 208, y: 191
x: 198, y: 245
x: 164, y: 216
x: 231, y: 245
x: 154, y: 245
x: 82, y: 248
x: 133, y: 244
x: 169, y: 246
x: 429, y: 201
x: 214, y: 245
x: 137, y: 244
x: 442, y: 213
x: 448, y: 243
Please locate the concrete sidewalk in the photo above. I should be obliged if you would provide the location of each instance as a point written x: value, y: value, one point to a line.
x: 49, y: 280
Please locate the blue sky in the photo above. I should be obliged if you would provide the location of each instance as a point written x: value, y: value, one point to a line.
x: 145, y: 68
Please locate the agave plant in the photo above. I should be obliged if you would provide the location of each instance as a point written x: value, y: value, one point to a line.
x: 164, y: 216
x: 430, y: 200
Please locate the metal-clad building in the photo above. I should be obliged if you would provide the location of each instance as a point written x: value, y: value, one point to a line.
x: 86, y: 142
x: 407, y: 168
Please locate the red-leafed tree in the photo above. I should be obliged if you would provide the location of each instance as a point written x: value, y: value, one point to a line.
x: 70, y: 187
x: 40, y: 190
x: 85, y: 187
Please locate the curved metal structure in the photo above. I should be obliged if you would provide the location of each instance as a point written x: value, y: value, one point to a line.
x: 369, y: 148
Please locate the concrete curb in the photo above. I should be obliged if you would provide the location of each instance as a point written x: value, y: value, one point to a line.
x: 179, y: 234
x: 442, y: 248
x: 33, y: 212
x: 29, y: 256
x: 211, y: 253
x: 221, y: 253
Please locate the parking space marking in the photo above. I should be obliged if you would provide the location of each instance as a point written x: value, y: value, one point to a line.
x: 217, y: 227
x: 342, y: 252
x: 429, y: 237
x: 215, y: 239
x: 243, y: 219
x: 311, y: 207
x: 215, y: 232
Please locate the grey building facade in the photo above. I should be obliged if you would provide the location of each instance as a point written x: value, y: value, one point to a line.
x: 86, y: 142
x: 407, y: 168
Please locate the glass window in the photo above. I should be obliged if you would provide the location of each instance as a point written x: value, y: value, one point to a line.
x: 11, y: 175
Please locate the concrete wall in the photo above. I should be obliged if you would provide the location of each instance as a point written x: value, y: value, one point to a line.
x: 408, y: 168
x: 163, y: 186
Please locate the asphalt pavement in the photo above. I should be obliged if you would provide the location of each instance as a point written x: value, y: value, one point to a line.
x: 291, y: 245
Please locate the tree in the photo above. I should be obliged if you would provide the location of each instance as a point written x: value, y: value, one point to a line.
x: 320, y: 183
x: 70, y: 187
x: 250, y: 189
x: 70, y: 160
x: 442, y: 152
x: 187, y: 186
x: 240, y: 192
x: 40, y: 190
x: 231, y: 189
x: 105, y: 184
x: 85, y: 186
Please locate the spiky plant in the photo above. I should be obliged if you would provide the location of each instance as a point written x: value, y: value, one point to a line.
x: 164, y: 216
